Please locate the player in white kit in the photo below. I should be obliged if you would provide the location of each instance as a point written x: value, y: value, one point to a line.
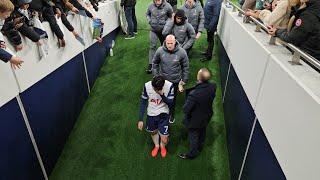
x: 157, y: 96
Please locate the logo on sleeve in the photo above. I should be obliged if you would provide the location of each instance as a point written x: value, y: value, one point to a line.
x: 298, y: 22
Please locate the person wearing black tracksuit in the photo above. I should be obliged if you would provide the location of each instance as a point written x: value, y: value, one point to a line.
x: 20, y: 12
x: 45, y: 7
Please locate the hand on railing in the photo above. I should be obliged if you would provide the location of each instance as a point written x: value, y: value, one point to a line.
x: 298, y: 53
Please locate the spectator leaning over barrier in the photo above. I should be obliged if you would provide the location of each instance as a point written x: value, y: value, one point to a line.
x: 61, y: 8
x: 171, y: 61
x: 157, y: 14
x: 181, y: 29
x: 278, y: 17
x: 6, y: 8
x: 306, y: 31
x: 211, y: 12
x: 22, y: 15
x: 195, y: 15
x: 130, y: 12
x: 45, y: 7
x: 77, y: 5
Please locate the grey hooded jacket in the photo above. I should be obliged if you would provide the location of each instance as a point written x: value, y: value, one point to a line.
x: 184, y: 34
x: 173, y: 65
x: 195, y: 16
x: 158, y: 15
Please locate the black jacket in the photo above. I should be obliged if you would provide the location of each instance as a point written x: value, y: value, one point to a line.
x: 128, y: 3
x: 172, y: 2
x: 26, y: 29
x: 306, y: 32
x: 198, y: 106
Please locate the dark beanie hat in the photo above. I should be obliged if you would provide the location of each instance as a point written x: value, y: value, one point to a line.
x: 180, y: 13
x: 21, y: 2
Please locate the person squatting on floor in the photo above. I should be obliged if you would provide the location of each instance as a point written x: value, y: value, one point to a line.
x: 157, y: 14
x: 157, y: 96
x: 130, y: 12
x: 171, y: 61
x: 198, y: 112
x: 195, y: 15
x: 181, y: 29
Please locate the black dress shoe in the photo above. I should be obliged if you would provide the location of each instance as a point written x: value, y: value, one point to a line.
x: 184, y: 156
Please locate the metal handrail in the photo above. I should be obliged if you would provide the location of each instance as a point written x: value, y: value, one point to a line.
x: 298, y: 53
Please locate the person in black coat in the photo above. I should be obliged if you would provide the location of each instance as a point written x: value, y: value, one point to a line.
x: 198, y: 112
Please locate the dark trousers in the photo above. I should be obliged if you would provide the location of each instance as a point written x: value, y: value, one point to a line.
x: 77, y: 5
x: 196, y: 139
x: 173, y: 106
x: 48, y: 15
x: 210, y: 40
x: 131, y: 19
x: 66, y: 22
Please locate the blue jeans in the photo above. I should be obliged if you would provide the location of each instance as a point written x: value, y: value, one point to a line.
x: 130, y: 13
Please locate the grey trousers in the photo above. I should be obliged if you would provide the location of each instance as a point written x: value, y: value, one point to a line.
x: 154, y: 36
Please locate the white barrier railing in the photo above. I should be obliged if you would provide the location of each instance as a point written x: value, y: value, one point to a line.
x: 298, y: 53
x: 34, y: 69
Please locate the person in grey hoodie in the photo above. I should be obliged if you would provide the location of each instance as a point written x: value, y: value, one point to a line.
x: 181, y: 29
x: 171, y: 61
x: 157, y: 14
x: 195, y: 15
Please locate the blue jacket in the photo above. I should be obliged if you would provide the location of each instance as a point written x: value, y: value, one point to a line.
x: 4, y: 55
x: 211, y: 13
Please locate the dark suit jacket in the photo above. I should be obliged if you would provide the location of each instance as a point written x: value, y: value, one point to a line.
x: 198, y: 106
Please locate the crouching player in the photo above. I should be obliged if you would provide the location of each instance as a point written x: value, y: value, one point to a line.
x: 157, y: 97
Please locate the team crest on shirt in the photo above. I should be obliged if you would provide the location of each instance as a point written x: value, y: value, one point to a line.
x: 156, y: 101
x: 298, y: 22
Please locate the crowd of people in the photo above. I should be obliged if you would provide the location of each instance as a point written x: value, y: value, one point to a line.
x: 23, y: 18
x: 177, y: 29
x: 293, y: 21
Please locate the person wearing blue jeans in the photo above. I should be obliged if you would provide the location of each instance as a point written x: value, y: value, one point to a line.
x: 129, y: 9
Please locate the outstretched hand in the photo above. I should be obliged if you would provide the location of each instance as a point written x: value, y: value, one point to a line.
x: 140, y: 125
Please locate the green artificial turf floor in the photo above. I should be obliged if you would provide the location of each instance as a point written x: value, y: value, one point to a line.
x: 105, y: 142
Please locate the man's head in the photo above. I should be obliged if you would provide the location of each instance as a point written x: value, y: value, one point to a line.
x: 190, y: 3
x: 203, y: 75
x: 157, y: 83
x: 6, y: 8
x: 24, y: 4
x: 170, y: 42
x: 180, y: 17
x: 158, y: 2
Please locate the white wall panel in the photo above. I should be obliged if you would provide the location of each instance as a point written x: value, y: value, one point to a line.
x: 290, y: 116
x: 8, y: 85
x: 247, y: 55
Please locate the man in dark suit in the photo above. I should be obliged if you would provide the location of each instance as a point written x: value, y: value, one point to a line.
x: 198, y: 112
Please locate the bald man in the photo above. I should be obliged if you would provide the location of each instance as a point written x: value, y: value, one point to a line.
x: 171, y: 61
x: 198, y: 112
